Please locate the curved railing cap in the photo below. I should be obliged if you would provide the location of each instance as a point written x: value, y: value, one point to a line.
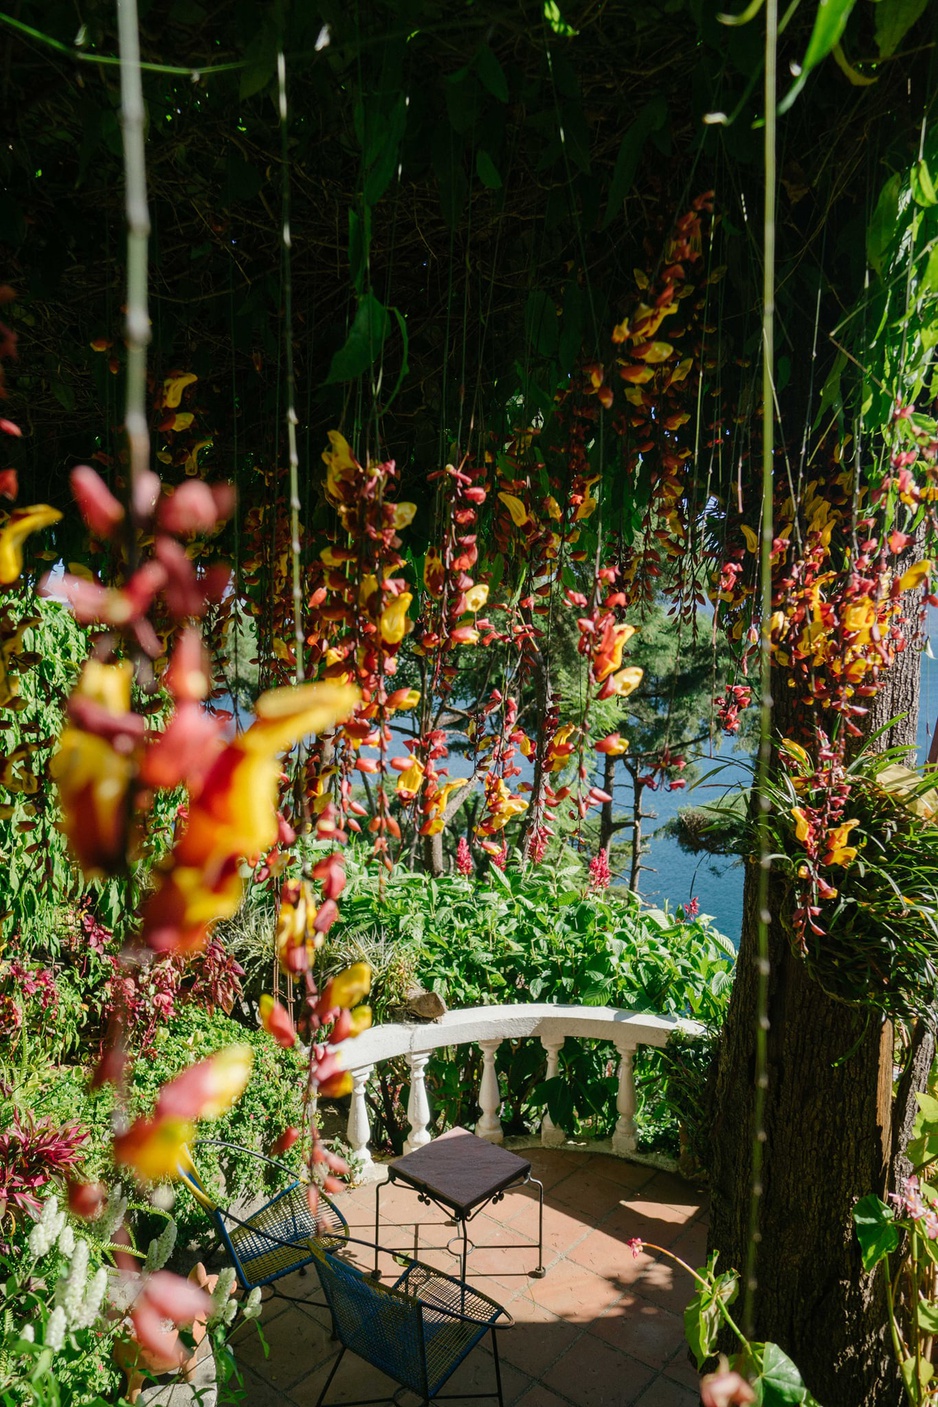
x: 542, y: 1019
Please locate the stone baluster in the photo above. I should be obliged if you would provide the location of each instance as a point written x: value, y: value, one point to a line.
x: 359, y: 1127
x: 624, y: 1140
x: 418, y: 1107
x: 490, y: 1099
x: 551, y: 1135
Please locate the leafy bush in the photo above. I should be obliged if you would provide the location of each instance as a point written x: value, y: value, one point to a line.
x: 271, y: 1103
x: 539, y: 934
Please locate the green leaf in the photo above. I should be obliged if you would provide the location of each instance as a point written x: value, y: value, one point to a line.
x: 923, y: 188
x: 487, y: 171
x: 383, y: 153
x: 780, y: 1380
x: 882, y: 226
x: 702, y: 1317
x: 928, y: 1317
x: 652, y: 118
x: 405, y: 364
x: 491, y: 74
x: 556, y: 20
x: 925, y: 1374
x: 829, y: 25
x: 363, y: 343
x: 540, y: 323
x: 876, y: 1229
x: 893, y: 20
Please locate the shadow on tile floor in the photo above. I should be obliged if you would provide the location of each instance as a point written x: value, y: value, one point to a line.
x: 601, y: 1329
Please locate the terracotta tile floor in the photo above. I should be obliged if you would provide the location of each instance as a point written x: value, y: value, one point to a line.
x: 602, y: 1329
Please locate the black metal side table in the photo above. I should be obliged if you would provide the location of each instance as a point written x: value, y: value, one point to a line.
x: 462, y: 1175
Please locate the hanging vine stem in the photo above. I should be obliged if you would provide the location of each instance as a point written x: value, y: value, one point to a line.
x: 137, y: 323
x: 765, y: 660
x: 299, y: 673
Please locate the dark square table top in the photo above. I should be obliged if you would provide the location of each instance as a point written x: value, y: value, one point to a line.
x: 460, y: 1170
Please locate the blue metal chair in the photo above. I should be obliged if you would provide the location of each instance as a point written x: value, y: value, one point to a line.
x: 417, y: 1330
x: 276, y: 1239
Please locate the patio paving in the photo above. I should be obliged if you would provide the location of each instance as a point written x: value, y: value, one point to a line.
x: 602, y: 1327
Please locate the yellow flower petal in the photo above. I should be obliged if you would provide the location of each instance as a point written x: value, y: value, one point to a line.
x: 626, y: 681
x: 915, y: 576
x: 287, y: 714
x: 15, y: 531
x: 752, y: 538
x: 348, y: 987
x: 410, y: 780
x: 154, y: 1148
x: 476, y: 597
x: 403, y: 515
x: 393, y: 623
x: 174, y: 386
x: 519, y: 514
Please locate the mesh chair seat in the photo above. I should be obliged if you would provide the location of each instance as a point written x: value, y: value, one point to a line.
x: 274, y: 1240
x: 416, y: 1331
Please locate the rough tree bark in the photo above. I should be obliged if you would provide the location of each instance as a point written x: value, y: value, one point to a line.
x: 829, y: 1136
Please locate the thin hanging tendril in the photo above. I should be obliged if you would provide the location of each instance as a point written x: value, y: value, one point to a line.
x: 765, y: 658
x: 299, y: 672
x: 137, y: 324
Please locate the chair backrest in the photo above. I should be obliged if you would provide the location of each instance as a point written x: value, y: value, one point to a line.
x: 381, y: 1325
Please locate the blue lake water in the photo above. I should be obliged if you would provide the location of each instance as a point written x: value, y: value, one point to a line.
x: 717, y: 882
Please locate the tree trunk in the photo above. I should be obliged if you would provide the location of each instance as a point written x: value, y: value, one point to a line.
x: 829, y: 1139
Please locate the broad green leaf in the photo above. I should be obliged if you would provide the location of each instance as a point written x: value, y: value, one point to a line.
x: 893, y: 20
x: 928, y: 1317
x: 702, y: 1317
x: 829, y: 25
x: 405, y: 364
x: 556, y: 20
x: 923, y: 188
x: 384, y: 148
x: 925, y: 1374
x: 926, y: 1120
x: 929, y: 281
x: 652, y: 117
x: 876, y: 1229
x: 487, y: 171
x: 364, y: 342
x: 882, y: 226
x: 491, y: 74
x: 540, y: 323
x: 780, y: 1380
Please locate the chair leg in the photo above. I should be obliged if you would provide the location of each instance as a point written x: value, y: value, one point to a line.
x: 328, y: 1381
x: 540, y: 1272
x: 376, y: 1273
x: 498, y: 1371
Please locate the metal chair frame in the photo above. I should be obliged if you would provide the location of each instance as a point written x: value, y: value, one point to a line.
x: 412, y: 1330
x: 283, y: 1224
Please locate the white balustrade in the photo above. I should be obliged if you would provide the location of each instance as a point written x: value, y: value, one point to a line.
x: 551, y: 1135
x: 490, y: 1100
x: 418, y: 1107
x: 488, y: 1026
x: 359, y: 1129
x: 624, y: 1141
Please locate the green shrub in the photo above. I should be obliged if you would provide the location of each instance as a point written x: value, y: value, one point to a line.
x: 538, y: 934
x: 271, y: 1103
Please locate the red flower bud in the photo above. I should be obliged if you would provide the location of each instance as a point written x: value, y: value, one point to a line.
x: 98, y: 507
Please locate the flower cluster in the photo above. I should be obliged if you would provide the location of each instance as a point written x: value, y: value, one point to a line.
x: 600, y: 873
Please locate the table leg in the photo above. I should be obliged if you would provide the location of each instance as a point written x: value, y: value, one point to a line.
x: 465, y: 1248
